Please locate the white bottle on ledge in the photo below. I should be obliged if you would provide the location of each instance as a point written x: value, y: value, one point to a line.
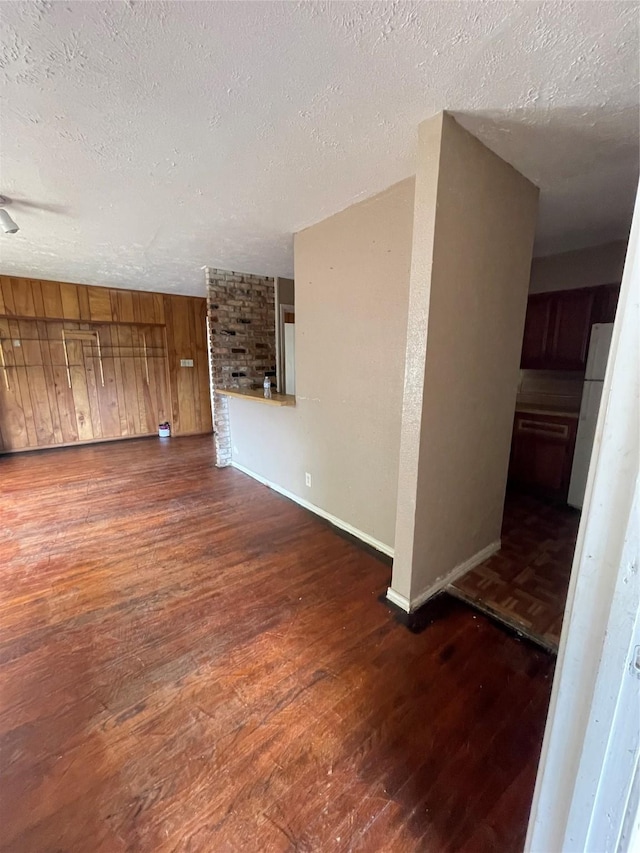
x: 267, y: 387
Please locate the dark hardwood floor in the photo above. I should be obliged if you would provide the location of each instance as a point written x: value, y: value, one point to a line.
x: 190, y: 662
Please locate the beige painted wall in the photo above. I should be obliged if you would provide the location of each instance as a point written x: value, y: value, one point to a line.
x: 352, y: 289
x: 583, y: 268
x: 474, y: 224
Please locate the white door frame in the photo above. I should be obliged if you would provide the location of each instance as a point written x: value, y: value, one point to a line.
x: 590, y: 748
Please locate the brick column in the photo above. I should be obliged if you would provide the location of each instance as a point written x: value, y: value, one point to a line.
x: 242, y: 341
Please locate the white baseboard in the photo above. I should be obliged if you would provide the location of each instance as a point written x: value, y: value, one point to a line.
x: 444, y: 582
x: 395, y: 598
x: 337, y: 522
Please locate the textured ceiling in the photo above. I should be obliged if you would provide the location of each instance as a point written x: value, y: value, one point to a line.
x: 143, y: 140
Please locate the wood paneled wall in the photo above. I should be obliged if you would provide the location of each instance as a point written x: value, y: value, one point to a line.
x: 81, y: 363
x: 186, y: 328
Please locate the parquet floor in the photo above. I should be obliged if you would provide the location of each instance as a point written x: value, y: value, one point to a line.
x: 525, y: 584
x: 190, y: 662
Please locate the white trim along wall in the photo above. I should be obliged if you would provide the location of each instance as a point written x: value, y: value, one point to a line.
x: 338, y: 522
x: 442, y: 583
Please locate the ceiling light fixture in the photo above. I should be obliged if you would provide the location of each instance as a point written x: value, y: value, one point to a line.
x: 6, y: 222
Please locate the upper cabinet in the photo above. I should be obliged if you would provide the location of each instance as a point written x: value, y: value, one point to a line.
x: 558, y: 326
x: 571, y: 328
x: 605, y: 303
x: 537, y: 329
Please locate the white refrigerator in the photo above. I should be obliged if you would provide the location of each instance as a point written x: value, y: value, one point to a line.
x: 599, y: 346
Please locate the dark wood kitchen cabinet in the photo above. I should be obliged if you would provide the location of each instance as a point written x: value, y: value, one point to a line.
x: 570, y: 329
x: 542, y: 453
x: 558, y: 326
x: 605, y: 304
x: 537, y: 328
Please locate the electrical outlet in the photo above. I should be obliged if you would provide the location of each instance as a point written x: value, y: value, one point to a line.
x: 307, y: 479
x: 186, y: 362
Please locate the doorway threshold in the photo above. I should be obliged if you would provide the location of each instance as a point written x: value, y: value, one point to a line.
x: 549, y: 644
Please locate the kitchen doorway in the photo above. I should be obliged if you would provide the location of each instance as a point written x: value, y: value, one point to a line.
x: 566, y: 342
